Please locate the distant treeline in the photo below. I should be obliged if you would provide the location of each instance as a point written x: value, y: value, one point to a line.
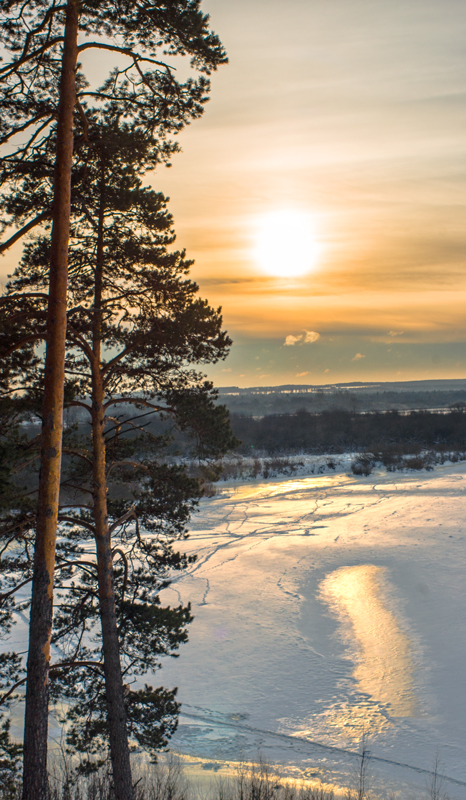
x: 316, y: 402
x: 342, y: 431
x: 332, y: 431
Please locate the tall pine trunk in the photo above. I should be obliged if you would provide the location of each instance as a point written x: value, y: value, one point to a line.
x: 116, y: 714
x: 35, y: 783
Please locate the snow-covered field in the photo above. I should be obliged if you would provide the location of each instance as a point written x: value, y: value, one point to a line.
x: 328, y: 607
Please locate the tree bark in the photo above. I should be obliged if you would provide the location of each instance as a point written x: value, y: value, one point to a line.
x: 35, y: 782
x: 116, y: 713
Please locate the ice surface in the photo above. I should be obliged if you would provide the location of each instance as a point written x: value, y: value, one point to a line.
x: 327, y: 608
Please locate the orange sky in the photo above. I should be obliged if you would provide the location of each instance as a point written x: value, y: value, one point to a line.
x: 354, y: 113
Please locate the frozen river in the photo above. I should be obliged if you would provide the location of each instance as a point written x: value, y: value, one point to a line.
x: 328, y: 608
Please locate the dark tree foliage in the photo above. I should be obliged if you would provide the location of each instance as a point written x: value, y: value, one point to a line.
x: 136, y: 32
x: 10, y: 763
x: 143, y: 95
x: 137, y: 329
x: 44, y: 109
x: 342, y: 431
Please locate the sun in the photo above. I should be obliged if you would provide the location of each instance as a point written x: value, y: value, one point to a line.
x: 286, y: 244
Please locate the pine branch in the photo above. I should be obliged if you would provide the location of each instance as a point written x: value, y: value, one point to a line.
x: 12, y: 68
x: 79, y: 454
x: 130, y: 514
x: 15, y: 589
x: 5, y: 697
x: 25, y: 229
x: 71, y: 664
x: 20, y: 296
x: 134, y: 464
x: 22, y: 342
x: 83, y: 564
x: 32, y: 33
x: 76, y: 521
x: 127, y: 52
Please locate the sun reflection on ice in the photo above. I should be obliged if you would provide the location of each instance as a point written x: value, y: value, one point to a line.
x: 288, y: 486
x: 381, y: 649
x: 356, y: 721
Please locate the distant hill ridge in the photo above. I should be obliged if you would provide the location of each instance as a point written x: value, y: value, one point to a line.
x: 355, y: 397
x: 439, y: 385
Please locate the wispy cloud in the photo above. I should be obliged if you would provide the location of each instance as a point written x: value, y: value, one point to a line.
x: 311, y: 336
x: 357, y: 357
x: 301, y: 374
x: 291, y: 340
x: 307, y: 337
x: 395, y: 333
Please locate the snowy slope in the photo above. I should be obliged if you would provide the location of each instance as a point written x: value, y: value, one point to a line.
x: 327, y: 608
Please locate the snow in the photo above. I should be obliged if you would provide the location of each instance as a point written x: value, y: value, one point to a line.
x: 328, y: 608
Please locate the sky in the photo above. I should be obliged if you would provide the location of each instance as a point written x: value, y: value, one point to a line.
x: 347, y: 117
x: 351, y: 113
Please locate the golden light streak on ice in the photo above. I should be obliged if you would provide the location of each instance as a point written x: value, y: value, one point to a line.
x: 210, y: 772
x: 384, y: 666
x: 356, y: 721
x: 352, y: 722
x: 287, y: 486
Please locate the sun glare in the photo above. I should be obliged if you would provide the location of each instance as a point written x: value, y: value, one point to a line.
x: 286, y: 243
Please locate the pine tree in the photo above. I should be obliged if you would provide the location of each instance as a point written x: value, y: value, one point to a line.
x: 128, y: 291
x: 43, y: 40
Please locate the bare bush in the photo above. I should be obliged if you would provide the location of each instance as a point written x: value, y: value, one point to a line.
x: 436, y: 788
x: 258, y: 782
x: 363, y: 464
